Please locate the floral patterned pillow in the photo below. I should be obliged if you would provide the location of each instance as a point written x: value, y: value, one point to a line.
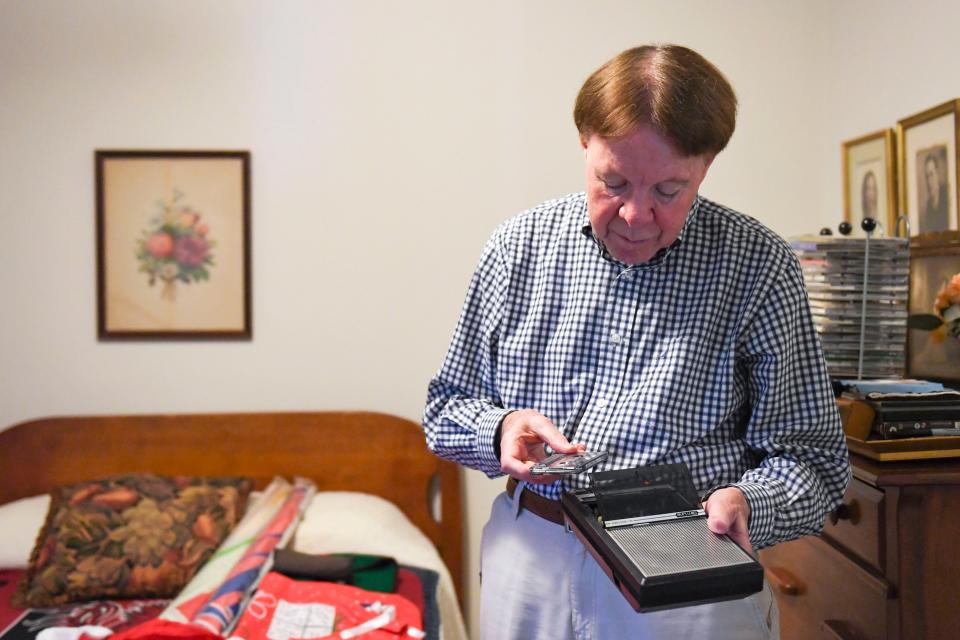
x: 129, y: 536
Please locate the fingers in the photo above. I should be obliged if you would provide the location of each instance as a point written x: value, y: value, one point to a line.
x: 527, y: 422
x: 515, y: 463
x: 557, y: 441
x: 523, y: 435
x: 729, y: 513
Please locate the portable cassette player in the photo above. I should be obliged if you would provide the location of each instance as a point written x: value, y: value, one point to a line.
x: 647, y: 530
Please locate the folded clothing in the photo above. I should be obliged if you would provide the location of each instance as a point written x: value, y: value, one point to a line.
x: 373, y: 573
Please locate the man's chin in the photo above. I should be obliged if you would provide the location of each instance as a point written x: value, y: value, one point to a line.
x: 634, y: 255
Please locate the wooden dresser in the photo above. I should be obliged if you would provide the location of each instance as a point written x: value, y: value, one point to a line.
x: 887, y: 564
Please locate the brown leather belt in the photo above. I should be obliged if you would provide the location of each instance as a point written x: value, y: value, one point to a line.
x: 536, y: 504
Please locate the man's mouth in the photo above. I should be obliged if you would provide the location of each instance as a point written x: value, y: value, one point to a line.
x: 638, y: 240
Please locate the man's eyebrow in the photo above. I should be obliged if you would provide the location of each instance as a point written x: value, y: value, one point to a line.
x: 610, y: 175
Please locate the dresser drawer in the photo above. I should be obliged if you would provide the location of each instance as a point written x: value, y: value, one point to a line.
x: 823, y: 594
x: 856, y: 524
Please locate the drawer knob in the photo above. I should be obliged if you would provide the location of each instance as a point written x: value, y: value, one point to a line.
x: 846, y: 511
x: 785, y: 582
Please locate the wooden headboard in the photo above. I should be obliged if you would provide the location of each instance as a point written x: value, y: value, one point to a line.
x: 340, y: 451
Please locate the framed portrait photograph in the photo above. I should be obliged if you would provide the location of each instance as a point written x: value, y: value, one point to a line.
x: 927, y: 156
x: 933, y: 352
x: 870, y: 180
x: 173, y: 244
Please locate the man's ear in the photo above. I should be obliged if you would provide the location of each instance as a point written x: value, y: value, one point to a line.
x: 707, y: 161
x: 584, y: 139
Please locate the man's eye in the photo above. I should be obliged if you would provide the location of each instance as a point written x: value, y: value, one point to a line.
x: 613, y: 185
x: 667, y: 192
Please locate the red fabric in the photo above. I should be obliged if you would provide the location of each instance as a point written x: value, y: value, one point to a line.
x: 410, y: 587
x: 9, y: 578
x: 352, y: 607
x: 119, y: 615
x: 113, y: 614
x: 159, y: 629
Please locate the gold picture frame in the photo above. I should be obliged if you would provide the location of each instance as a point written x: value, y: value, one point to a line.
x: 927, y: 157
x: 173, y: 244
x: 870, y: 180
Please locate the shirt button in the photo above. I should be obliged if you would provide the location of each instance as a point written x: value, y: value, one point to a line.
x: 602, y: 402
x: 616, y: 338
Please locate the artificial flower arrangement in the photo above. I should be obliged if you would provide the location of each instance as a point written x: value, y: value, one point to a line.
x: 176, y: 247
x: 945, y: 319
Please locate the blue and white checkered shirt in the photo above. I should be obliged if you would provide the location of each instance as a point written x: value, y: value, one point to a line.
x: 706, y: 355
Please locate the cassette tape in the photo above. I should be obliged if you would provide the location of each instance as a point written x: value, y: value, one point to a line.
x: 568, y: 463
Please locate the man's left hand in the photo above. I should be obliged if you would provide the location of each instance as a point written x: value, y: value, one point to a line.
x: 728, y: 512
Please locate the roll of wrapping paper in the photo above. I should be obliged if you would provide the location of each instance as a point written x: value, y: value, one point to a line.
x: 220, y: 611
x: 259, y: 514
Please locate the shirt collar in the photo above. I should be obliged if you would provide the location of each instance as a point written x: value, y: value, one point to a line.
x: 660, y: 256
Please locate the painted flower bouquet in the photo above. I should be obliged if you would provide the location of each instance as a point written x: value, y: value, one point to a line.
x: 176, y: 247
x: 945, y: 319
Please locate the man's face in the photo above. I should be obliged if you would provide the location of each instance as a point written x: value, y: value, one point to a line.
x: 869, y: 193
x: 639, y: 190
x: 933, y: 179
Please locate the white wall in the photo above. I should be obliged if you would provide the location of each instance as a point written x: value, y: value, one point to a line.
x: 388, y: 139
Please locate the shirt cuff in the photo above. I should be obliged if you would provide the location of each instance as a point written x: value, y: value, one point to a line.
x: 762, y: 512
x: 760, y: 527
x: 487, y: 446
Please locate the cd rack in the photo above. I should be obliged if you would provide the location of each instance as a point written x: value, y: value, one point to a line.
x: 858, y: 290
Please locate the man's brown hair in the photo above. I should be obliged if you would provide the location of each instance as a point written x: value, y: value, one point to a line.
x: 671, y: 88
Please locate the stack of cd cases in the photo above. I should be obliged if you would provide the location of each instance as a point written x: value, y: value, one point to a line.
x: 858, y: 297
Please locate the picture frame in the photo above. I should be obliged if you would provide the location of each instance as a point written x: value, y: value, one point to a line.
x: 927, y: 155
x: 870, y: 180
x: 932, y: 354
x: 173, y: 244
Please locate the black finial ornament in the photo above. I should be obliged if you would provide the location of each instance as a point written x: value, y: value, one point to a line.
x: 845, y: 228
x: 826, y: 231
x: 868, y: 224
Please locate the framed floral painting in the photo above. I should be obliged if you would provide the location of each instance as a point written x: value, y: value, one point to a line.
x: 933, y: 337
x: 173, y: 244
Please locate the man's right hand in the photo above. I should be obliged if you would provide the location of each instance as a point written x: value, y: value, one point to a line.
x: 523, y: 434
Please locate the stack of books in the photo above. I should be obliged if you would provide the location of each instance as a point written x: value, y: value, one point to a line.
x: 838, y: 274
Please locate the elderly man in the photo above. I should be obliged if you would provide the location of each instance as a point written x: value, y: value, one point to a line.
x: 644, y: 320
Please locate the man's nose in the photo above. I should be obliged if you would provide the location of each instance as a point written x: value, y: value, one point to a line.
x: 636, y: 210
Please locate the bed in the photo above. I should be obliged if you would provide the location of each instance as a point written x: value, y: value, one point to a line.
x: 372, y: 453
